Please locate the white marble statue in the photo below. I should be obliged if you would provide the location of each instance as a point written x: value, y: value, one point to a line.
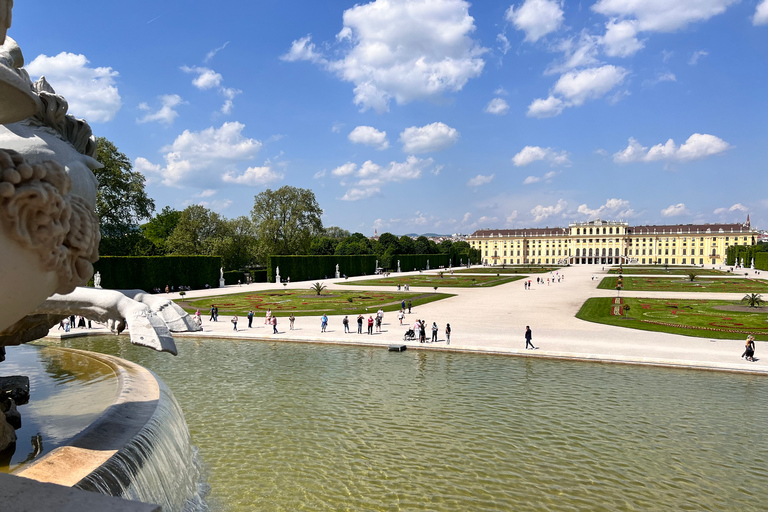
x: 398, y: 265
x: 427, y: 264
x: 277, y: 274
x: 49, y: 232
x: 97, y: 280
x: 338, y: 274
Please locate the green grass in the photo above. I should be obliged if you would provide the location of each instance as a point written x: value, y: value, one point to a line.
x: 507, y: 270
x: 306, y: 302
x: 681, y: 284
x: 672, y: 271
x: 432, y: 280
x: 697, y: 318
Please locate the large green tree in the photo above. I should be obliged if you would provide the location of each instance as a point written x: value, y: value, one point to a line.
x: 121, y: 201
x: 285, y: 220
x: 356, y: 243
x: 236, y: 243
x: 196, y: 232
x: 160, y: 227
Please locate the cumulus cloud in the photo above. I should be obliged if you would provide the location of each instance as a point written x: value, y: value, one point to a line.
x: 371, y: 177
x: 90, y: 92
x: 530, y: 154
x: 698, y: 146
x: 206, y: 78
x: 369, y: 136
x: 480, y: 180
x: 547, y: 178
x: 675, y: 210
x: 205, y: 157
x: 578, y: 52
x: 401, y: 49
x: 432, y: 137
x: 575, y: 87
x: 662, y: 16
x: 536, y: 18
x: 229, y: 95
x: 166, y: 114
x: 511, y: 217
x: 761, y: 14
x: 253, y: 176
x: 613, y: 207
x: 497, y: 106
x: 738, y: 207
x: 541, y: 212
x: 620, y: 39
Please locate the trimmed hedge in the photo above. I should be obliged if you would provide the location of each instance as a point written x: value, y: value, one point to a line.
x: 232, y: 276
x: 149, y: 272
x: 305, y: 268
x: 408, y: 262
x: 761, y: 261
x: 259, y: 276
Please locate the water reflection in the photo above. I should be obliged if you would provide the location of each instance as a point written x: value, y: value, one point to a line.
x: 300, y: 427
x: 68, y: 391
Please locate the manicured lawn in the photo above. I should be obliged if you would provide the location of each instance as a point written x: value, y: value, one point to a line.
x: 507, y: 270
x: 681, y: 284
x: 307, y: 302
x: 698, y: 318
x: 432, y: 280
x: 671, y: 271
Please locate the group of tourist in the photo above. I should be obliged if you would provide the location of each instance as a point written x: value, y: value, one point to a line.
x: 72, y: 321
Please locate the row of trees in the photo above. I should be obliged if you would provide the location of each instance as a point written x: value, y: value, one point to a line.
x: 286, y: 221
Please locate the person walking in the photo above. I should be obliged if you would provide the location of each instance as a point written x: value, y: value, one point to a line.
x: 323, y: 322
x: 291, y: 319
x: 359, y: 324
x: 250, y: 319
x: 400, y: 316
x: 447, y: 334
x: 370, y: 325
x: 213, y: 308
x: 234, y: 322
x: 528, y: 338
x: 268, y: 316
x: 402, y: 305
x: 423, y: 331
x: 749, y: 350
x: 434, y: 332
x: 409, y: 307
x: 346, y: 324
x: 274, y: 324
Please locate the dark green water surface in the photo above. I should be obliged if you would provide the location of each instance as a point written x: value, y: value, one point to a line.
x: 287, y: 427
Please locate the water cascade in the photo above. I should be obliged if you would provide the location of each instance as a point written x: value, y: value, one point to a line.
x: 159, y: 465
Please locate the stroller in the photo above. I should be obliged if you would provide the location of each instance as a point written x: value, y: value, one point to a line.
x: 409, y: 335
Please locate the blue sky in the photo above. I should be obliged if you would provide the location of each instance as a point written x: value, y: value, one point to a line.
x: 426, y: 115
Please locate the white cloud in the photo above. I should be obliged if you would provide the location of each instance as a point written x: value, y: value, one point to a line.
x: 541, y: 212
x: 166, y: 113
x: 206, y: 78
x: 90, y: 92
x: 369, y: 136
x: 738, y: 207
x: 661, y: 77
x: 504, y: 45
x: 371, y: 176
x: 547, y: 178
x: 675, y: 210
x: 617, y: 208
x: 530, y: 154
x: 697, y: 146
x: 695, y: 56
x: 497, y: 106
x: 662, y: 15
x: 536, y: 18
x: 575, y: 87
x: 345, y: 169
x: 591, y: 83
x: 319, y: 174
x: 577, y: 53
x: 336, y: 127
x: 212, y: 53
x: 253, y: 176
x: 511, y: 217
x: 531, y: 179
x: 401, y: 49
x: 480, y: 180
x: 761, y: 14
x: 229, y: 95
x: 549, y: 107
x: 620, y: 39
x: 205, y: 157
x: 206, y: 193
x: 432, y: 137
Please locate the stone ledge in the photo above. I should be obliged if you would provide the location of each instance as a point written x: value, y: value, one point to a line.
x: 24, y: 495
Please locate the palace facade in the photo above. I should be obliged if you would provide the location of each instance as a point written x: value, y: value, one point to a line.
x: 600, y: 242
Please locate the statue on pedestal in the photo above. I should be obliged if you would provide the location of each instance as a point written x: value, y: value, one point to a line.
x: 97, y: 280
x: 277, y: 274
x: 338, y: 275
x: 398, y: 265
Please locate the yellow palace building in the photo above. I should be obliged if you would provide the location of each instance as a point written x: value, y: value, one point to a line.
x: 600, y: 242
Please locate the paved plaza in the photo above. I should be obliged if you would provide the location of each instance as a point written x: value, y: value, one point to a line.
x: 493, y: 320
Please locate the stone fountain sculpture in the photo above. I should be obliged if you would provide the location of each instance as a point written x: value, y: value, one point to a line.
x: 49, y: 231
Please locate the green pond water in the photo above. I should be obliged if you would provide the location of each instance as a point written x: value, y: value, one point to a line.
x: 287, y: 427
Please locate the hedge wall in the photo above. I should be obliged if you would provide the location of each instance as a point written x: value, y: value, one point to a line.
x: 232, y: 276
x: 747, y: 253
x: 259, y: 276
x: 148, y: 272
x: 408, y: 262
x: 305, y: 268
